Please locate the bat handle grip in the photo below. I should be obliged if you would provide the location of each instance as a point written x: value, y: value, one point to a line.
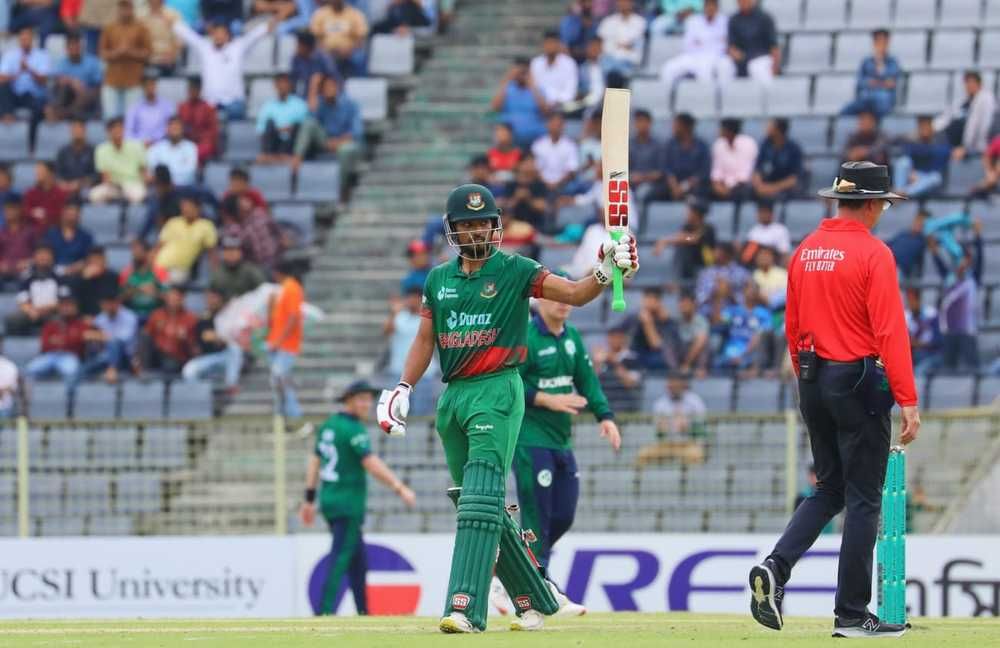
x: 617, y: 282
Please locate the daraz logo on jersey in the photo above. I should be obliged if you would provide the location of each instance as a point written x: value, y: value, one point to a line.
x: 468, y: 319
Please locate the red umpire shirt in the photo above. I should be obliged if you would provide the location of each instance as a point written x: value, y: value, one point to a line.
x: 843, y: 289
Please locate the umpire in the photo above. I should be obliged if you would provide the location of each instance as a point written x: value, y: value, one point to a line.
x: 848, y: 341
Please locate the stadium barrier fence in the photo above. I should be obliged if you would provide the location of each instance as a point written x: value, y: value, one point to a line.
x: 732, y: 473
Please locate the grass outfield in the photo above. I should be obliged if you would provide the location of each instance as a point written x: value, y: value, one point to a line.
x: 625, y: 630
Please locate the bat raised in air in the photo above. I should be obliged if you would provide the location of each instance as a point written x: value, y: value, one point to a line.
x: 615, y: 119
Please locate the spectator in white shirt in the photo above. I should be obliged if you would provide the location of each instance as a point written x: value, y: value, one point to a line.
x: 554, y: 72
x: 221, y: 59
x: 766, y: 233
x: 704, y: 47
x: 176, y: 153
x: 591, y: 80
x: 556, y: 156
x: 733, y: 157
x: 623, y: 34
x: 680, y: 413
x: 9, y: 382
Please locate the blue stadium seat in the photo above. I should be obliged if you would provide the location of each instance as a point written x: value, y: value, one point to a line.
x: 391, y: 55
x: 788, y: 96
x: 216, y: 177
x: 651, y: 95
x: 963, y: 175
x: 811, y: 133
x: 757, y: 127
x: 8, y: 495
x: 652, y: 389
x: 103, y: 221
x: 194, y: 301
x: 286, y: 51
x: 8, y: 448
x: 896, y: 219
x: 988, y: 390
x: 20, y: 350
x: 67, y: 448
x: 787, y: 15
x: 22, y: 176
x: 868, y: 15
x: 110, y: 525
x: 70, y: 525
x: 89, y: 493
x: 822, y: 171
x: 173, y: 89
x: 301, y: 218
x: 832, y: 93
x: 953, y: 49
x: 556, y: 257
x: 49, y: 139
x: 589, y: 317
x: 242, y: 142
x: 716, y: 392
x: 697, y: 98
x: 809, y: 53
x: 45, y: 496
x: 164, y: 447
x: 273, y: 180
x: 135, y: 218
x: 573, y: 214
x: 915, y: 13
x: 138, y: 492
x: 96, y: 132
x: 961, y: 13
x: 843, y: 127
x: 898, y: 125
x: 190, y: 400
x: 261, y: 91
x: 741, y: 98
x: 47, y: 400
x: 852, y: 48
x: 660, y: 50
x: 142, y: 400
x: 260, y: 58
x: 803, y: 216
x: 14, y: 141
x: 950, y: 392
x: 114, y: 447
x: 95, y: 402
x: 706, y: 128
x: 992, y: 18
x: 758, y: 395
x: 55, y: 46
x: 910, y: 48
x: 317, y: 182
x: 825, y: 15
x: 118, y: 256
x: 656, y: 269
x: 372, y: 96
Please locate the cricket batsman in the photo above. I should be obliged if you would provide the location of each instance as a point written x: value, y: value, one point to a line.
x: 476, y: 313
x: 341, y: 457
x: 548, y: 482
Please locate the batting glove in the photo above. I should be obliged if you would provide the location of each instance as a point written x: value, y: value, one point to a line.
x: 622, y: 254
x: 393, y: 406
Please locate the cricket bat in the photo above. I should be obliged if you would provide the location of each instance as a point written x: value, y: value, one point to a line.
x: 615, y: 119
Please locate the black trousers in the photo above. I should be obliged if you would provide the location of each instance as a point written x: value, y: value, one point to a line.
x: 850, y: 444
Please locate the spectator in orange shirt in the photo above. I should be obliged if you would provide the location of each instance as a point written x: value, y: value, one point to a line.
x: 284, y: 337
x: 167, y: 341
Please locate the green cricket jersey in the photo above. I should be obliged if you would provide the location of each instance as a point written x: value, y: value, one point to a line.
x: 555, y: 365
x: 341, y: 444
x: 480, y: 320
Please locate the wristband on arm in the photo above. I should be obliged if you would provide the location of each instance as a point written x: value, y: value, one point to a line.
x: 310, y: 495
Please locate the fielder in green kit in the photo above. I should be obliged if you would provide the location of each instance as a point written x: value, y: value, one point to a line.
x: 338, y: 469
x: 476, y: 315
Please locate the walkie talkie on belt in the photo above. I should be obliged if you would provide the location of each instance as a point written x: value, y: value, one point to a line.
x: 808, y: 361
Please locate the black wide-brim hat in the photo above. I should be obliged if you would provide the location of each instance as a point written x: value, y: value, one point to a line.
x: 861, y: 181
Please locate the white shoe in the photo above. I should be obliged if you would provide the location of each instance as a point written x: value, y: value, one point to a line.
x: 528, y: 620
x: 566, y: 606
x: 499, y: 598
x: 456, y: 623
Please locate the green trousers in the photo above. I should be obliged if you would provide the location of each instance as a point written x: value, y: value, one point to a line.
x: 480, y: 418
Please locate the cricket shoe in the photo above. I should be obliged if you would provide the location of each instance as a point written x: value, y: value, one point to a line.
x: 566, y: 606
x: 868, y: 627
x: 766, y: 595
x: 499, y: 598
x: 528, y: 620
x: 456, y: 623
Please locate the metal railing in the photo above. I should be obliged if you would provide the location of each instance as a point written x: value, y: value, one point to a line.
x: 243, y: 475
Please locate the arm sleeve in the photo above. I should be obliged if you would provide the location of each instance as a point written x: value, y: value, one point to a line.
x: 586, y: 382
x: 886, y: 315
x: 190, y: 37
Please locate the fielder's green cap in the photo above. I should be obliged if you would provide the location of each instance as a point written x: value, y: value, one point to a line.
x: 355, y: 388
x: 469, y: 202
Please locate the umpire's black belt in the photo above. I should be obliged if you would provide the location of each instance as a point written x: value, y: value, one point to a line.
x: 841, y: 363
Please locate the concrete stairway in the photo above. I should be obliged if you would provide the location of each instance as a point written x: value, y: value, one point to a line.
x: 443, y: 122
